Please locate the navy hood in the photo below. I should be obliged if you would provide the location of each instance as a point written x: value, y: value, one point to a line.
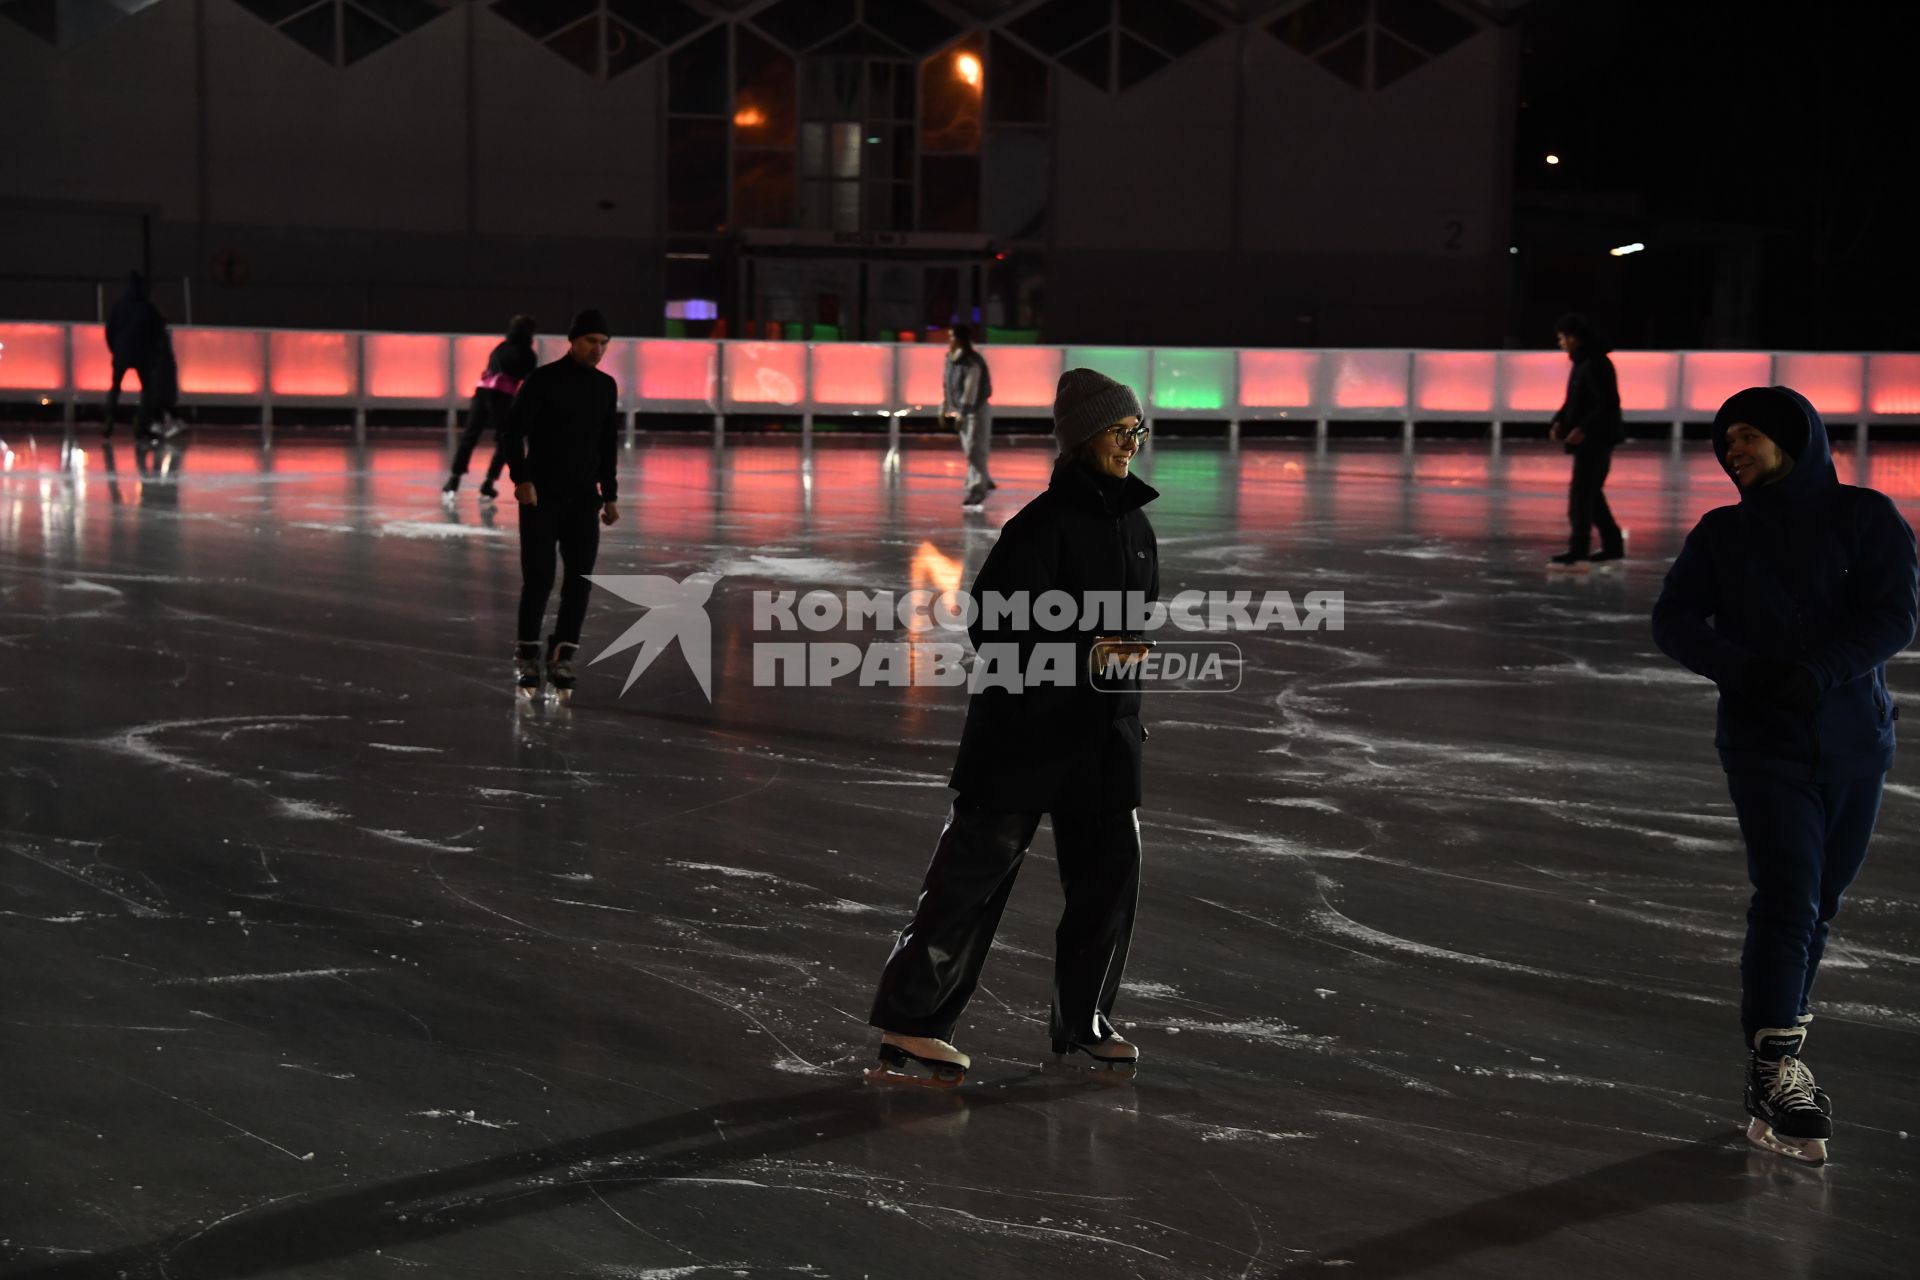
x: 1791, y: 422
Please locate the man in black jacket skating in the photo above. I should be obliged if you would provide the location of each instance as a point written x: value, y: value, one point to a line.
x: 1589, y: 423
x: 561, y: 440
x: 1792, y: 602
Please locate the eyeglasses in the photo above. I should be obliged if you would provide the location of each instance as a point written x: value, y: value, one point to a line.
x: 1124, y: 435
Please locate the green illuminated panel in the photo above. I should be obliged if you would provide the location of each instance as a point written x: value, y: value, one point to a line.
x: 1189, y: 483
x: 1193, y: 380
x: 1122, y: 364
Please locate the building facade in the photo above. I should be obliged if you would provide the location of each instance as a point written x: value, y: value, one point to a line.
x: 1289, y: 172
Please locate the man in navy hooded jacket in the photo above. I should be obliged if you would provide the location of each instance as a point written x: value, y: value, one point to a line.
x: 1792, y: 602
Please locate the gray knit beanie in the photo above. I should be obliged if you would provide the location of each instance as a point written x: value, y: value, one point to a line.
x: 1087, y: 401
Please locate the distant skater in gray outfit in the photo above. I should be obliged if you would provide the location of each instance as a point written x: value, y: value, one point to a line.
x: 963, y: 405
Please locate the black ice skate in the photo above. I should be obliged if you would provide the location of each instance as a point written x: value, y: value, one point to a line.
x: 1110, y: 1054
x: 487, y: 491
x: 1570, y: 562
x: 1788, y: 1116
x: 560, y: 668
x: 526, y: 669
x: 918, y: 1060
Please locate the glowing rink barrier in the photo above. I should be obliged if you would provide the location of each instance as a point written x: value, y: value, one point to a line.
x: 57, y: 362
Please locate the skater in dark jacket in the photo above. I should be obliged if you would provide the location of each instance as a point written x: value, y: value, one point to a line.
x: 136, y: 333
x: 561, y: 441
x: 1589, y: 424
x: 967, y: 388
x: 507, y: 367
x: 1792, y: 602
x: 1065, y: 748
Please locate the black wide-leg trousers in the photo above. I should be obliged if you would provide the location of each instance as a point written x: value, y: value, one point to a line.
x: 937, y: 958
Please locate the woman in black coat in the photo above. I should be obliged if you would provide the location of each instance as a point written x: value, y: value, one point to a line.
x: 1069, y: 748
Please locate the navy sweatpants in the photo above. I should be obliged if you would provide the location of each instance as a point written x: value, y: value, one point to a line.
x: 1805, y: 843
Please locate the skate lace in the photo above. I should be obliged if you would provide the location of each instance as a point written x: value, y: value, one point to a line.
x: 1791, y: 1086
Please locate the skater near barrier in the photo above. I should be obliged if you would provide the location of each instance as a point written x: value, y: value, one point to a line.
x: 1067, y: 749
x: 967, y: 388
x: 1792, y: 602
x: 509, y: 364
x: 561, y: 441
x: 1589, y: 424
x: 137, y: 340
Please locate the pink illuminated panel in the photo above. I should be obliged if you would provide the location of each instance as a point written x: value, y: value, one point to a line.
x: 33, y: 357
x: 1832, y: 382
x: 1453, y: 381
x: 766, y: 373
x: 1711, y: 376
x: 92, y: 365
x: 923, y: 370
x: 1369, y: 379
x: 678, y: 371
x: 850, y: 374
x: 1893, y: 384
x: 1647, y: 380
x: 1533, y: 381
x: 1278, y: 379
x: 406, y: 366
x: 470, y: 354
x: 618, y: 365
x: 311, y: 364
x: 221, y: 362
x: 1023, y: 377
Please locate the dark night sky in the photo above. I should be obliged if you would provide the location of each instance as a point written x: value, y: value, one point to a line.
x: 1790, y: 124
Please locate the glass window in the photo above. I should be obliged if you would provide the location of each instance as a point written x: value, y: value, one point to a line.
x: 802, y: 24
x: 813, y: 149
x: 1167, y: 25
x: 763, y: 109
x: 697, y: 175
x: 1318, y: 24
x: 665, y: 21
x: 1016, y: 84
x: 541, y: 18
x: 849, y: 139
x: 763, y: 188
x: 1060, y: 24
x: 951, y: 83
x: 697, y: 76
x: 949, y: 193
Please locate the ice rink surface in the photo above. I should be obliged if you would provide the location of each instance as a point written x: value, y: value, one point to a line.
x: 322, y: 957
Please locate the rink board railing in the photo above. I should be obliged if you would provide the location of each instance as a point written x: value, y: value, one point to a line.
x: 359, y: 371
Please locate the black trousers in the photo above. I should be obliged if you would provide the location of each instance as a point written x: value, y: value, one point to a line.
x: 488, y: 412
x: 149, y: 411
x: 1805, y: 843
x: 937, y: 959
x: 574, y: 531
x: 1587, y: 503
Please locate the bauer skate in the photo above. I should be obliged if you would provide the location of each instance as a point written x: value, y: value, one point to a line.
x: 1791, y: 1116
x: 918, y: 1060
x: 526, y: 670
x: 560, y: 669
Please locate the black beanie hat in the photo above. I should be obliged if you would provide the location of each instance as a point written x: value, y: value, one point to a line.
x: 588, y: 321
x: 1085, y: 402
x: 1774, y: 411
